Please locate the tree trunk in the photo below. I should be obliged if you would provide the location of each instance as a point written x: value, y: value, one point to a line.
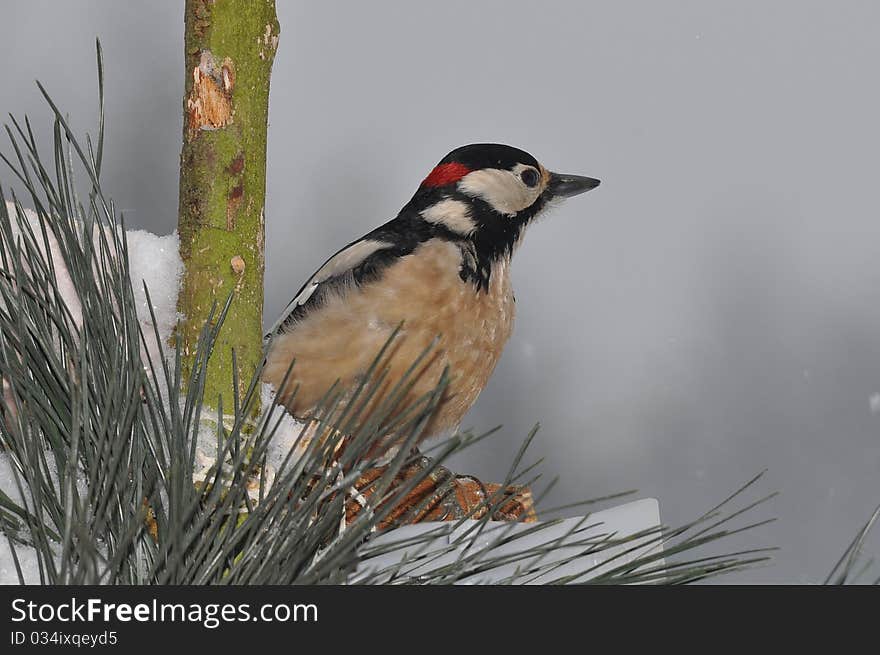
x: 229, y: 49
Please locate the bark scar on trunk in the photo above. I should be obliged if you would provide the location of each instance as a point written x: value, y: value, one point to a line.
x: 269, y: 40
x: 209, y: 105
x: 232, y: 205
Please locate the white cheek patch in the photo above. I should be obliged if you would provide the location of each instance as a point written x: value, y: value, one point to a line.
x: 503, y: 190
x: 454, y: 215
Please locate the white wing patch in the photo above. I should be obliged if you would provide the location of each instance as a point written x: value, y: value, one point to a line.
x: 304, y: 295
x: 339, y: 264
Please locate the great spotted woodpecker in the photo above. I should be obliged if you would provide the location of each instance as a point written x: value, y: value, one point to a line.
x: 440, y: 271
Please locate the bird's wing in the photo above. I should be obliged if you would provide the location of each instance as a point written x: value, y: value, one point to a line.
x: 344, y: 267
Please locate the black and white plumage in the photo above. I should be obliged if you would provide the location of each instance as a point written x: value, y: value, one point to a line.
x: 441, y: 268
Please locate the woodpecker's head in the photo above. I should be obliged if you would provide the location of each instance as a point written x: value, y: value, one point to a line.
x: 488, y: 192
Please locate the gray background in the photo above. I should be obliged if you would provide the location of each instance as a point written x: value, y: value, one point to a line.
x: 711, y: 310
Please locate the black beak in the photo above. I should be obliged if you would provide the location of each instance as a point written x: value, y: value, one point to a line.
x: 565, y: 186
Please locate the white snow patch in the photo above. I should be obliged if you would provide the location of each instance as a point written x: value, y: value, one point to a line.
x: 28, y: 560
x: 282, y: 442
x: 155, y: 261
x: 7, y: 479
x: 497, y: 539
x: 9, y: 468
x: 285, y: 437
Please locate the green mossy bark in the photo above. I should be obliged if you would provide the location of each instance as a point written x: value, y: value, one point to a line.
x: 223, y: 181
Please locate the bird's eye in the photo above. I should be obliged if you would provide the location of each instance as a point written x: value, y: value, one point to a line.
x: 529, y: 177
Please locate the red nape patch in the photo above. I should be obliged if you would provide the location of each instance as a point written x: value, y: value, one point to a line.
x: 446, y: 174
